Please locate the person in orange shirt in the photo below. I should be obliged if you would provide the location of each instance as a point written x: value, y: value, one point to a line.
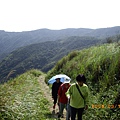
x: 62, y: 99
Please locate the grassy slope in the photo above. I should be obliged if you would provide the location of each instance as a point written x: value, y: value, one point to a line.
x: 22, y: 98
x: 101, y: 66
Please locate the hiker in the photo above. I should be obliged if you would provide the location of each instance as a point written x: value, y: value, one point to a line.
x: 62, y: 99
x: 78, y: 95
x: 55, y: 88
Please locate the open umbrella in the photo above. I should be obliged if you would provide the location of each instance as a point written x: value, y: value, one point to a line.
x: 61, y: 76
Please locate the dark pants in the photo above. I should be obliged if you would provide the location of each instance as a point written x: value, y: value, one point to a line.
x: 77, y: 111
x: 55, y: 99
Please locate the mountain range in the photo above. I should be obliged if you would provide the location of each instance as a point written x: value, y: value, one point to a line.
x: 41, y: 49
x: 10, y: 41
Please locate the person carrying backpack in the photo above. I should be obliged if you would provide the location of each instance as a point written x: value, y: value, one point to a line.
x: 78, y: 94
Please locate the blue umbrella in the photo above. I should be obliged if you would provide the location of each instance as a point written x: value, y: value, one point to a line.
x: 61, y: 76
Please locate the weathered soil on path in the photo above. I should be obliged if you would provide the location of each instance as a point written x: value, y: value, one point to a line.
x: 47, y: 94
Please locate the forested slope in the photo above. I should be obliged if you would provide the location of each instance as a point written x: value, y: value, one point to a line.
x: 42, y: 56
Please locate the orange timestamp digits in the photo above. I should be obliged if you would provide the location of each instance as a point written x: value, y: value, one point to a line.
x: 105, y: 106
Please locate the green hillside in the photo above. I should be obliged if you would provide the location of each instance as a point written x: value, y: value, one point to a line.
x: 10, y: 41
x: 22, y: 98
x: 42, y: 56
x: 101, y: 66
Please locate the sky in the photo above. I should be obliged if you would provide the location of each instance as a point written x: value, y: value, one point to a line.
x: 28, y: 15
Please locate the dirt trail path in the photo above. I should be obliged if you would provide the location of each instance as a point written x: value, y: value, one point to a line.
x: 47, y: 94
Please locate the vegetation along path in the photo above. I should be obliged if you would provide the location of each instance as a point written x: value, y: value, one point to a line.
x: 47, y: 94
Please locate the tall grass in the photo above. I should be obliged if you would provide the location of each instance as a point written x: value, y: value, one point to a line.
x: 21, y: 98
x: 101, y: 66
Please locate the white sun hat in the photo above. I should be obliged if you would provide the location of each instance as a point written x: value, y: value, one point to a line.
x: 67, y: 80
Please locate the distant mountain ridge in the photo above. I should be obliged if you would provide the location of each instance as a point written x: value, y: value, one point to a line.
x: 10, y: 41
x: 43, y: 55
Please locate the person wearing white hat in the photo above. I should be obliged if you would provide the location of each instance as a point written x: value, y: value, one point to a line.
x: 62, y: 99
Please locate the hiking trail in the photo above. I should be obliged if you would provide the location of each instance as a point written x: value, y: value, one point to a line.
x: 47, y: 94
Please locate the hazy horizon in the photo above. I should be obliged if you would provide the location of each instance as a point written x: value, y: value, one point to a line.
x: 29, y: 15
